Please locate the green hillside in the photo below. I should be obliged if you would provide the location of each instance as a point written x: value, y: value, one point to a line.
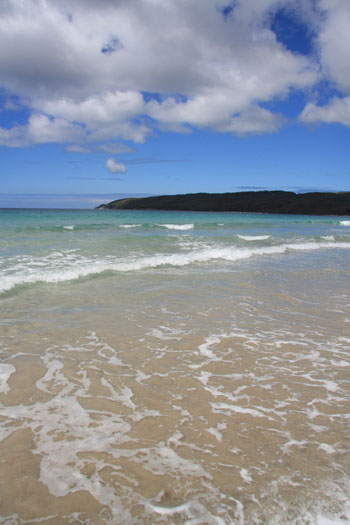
x: 249, y: 201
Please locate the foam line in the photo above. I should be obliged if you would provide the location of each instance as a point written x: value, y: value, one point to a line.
x: 178, y: 226
x: 253, y: 237
x: 55, y: 272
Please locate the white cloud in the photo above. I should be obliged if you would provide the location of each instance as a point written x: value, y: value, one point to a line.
x: 337, y: 111
x: 115, y: 167
x: 334, y: 42
x: 255, y: 120
x: 83, y: 68
x: 215, y: 110
x: 13, y: 137
x: 44, y: 129
x: 75, y: 148
x: 97, y: 110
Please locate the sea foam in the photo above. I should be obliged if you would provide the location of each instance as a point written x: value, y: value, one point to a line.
x: 253, y: 237
x: 178, y: 226
x: 5, y: 372
x: 61, y: 266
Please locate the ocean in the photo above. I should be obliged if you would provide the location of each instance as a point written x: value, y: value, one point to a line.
x: 174, y: 368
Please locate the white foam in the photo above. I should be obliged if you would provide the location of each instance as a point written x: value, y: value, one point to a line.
x: 68, y: 227
x: 204, y: 348
x: 226, y: 408
x: 63, y: 266
x: 328, y: 237
x: 345, y: 223
x: 327, y: 448
x: 253, y: 237
x: 61, y: 459
x: 341, y: 363
x: 216, y: 431
x: 124, y: 397
x: 343, y: 515
x: 129, y: 225
x: 204, y: 377
x: 162, y: 460
x: 178, y: 226
x: 323, y: 520
x: 328, y: 384
x: 5, y: 372
x: 193, y: 510
x: 165, y: 333
x: 293, y: 443
x: 245, y: 475
x: 170, y: 511
x: 53, y: 374
x: 331, y: 386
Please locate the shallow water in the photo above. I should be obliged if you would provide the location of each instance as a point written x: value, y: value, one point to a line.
x: 160, y: 367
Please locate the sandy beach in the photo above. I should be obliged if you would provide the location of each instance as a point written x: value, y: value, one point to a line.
x: 214, y: 391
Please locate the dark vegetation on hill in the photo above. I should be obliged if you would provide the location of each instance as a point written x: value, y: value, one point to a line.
x: 247, y: 201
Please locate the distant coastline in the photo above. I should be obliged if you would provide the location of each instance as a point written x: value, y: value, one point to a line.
x: 282, y: 202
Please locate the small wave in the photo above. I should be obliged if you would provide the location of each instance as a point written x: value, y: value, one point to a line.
x: 59, y: 227
x: 328, y: 237
x: 178, y: 226
x: 129, y: 226
x: 62, y: 267
x: 253, y: 237
x: 344, y: 223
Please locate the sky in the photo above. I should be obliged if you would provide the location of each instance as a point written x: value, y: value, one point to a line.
x: 101, y: 99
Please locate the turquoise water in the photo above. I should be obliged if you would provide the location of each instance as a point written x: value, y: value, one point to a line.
x: 174, y: 367
x: 58, y: 245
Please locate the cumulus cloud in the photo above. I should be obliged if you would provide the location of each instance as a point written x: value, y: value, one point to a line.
x: 14, y: 137
x: 255, y: 120
x: 115, y: 167
x: 100, y: 70
x: 42, y: 129
x: 337, y: 111
x: 333, y: 44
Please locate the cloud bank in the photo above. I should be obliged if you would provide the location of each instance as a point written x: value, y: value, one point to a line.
x: 97, y: 71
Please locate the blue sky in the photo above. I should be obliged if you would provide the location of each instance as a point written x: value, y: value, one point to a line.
x: 105, y: 99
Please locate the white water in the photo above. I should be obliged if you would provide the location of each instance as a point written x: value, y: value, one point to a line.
x: 197, y: 373
x: 65, y: 266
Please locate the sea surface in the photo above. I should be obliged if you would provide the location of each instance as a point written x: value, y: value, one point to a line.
x: 174, y: 368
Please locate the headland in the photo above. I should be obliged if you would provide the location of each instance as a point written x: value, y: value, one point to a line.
x: 283, y: 202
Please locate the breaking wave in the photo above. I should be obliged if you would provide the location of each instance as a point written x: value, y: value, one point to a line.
x: 69, y: 265
x: 253, y: 237
x: 178, y: 226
